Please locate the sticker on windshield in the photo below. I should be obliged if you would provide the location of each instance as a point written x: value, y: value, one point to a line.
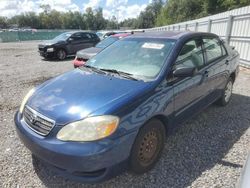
x: 153, y: 45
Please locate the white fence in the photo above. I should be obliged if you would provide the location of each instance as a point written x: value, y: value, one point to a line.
x: 233, y: 26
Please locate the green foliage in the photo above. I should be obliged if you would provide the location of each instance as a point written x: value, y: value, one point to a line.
x: 157, y: 13
x: 3, y: 22
x: 52, y: 19
x: 147, y: 18
x: 175, y: 11
x: 129, y: 23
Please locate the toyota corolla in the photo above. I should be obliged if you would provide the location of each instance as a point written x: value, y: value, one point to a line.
x: 115, y: 112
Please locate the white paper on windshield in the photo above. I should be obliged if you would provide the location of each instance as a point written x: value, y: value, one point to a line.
x: 153, y: 45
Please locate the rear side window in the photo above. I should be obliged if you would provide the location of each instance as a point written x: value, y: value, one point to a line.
x: 86, y: 36
x: 77, y: 36
x: 191, y: 55
x: 213, y: 49
x: 93, y: 35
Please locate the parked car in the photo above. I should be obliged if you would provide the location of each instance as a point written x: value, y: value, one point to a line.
x: 84, y: 55
x: 100, y: 34
x: 110, y: 33
x: 244, y: 181
x: 115, y: 111
x: 67, y: 44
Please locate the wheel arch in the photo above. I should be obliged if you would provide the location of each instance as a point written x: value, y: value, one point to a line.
x: 233, y: 76
x: 62, y: 48
x: 162, y: 118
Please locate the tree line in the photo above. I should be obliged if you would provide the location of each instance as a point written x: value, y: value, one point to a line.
x: 157, y: 13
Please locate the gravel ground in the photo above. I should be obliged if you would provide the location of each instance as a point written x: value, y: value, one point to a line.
x: 207, y: 151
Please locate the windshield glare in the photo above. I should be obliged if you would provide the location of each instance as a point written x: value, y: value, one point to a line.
x: 137, y: 56
x: 63, y: 36
x: 99, y: 34
x: 106, y: 42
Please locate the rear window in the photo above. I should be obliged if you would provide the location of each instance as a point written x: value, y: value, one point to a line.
x: 213, y: 49
x: 106, y: 42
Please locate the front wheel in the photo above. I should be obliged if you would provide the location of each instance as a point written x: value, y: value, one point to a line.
x: 227, y: 93
x: 148, y: 147
x: 61, y: 54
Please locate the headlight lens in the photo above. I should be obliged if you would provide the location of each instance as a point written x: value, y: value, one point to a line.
x: 25, y: 99
x: 50, y: 49
x: 89, y: 129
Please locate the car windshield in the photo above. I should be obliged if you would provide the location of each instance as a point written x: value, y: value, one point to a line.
x: 99, y: 34
x: 63, y: 36
x: 106, y: 42
x: 139, y: 57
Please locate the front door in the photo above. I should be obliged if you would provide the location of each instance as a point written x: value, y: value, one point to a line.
x: 189, y: 92
x: 76, y: 43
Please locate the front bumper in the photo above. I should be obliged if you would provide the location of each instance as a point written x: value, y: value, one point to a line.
x: 47, y: 54
x: 81, y: 161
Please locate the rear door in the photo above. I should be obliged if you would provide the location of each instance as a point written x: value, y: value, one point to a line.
x: 76, y: 43
x: 189, y: 91
x: 88, y: 41
x: 217, y: 66
x: 95, y: 38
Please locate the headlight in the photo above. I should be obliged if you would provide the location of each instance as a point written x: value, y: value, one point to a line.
x: 50, y: 49
x: 89, y: 129
x: 25, y: 99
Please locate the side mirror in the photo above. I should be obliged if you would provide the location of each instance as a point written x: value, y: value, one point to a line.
x: 70, y: 39
x: 184, y: 71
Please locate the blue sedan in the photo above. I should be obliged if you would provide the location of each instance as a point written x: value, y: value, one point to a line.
x: 115, y: 112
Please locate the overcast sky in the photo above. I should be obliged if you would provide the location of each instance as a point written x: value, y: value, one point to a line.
x: 126, y: 8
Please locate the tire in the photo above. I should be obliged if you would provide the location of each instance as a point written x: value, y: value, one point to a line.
x: 147, y: 147
x: 61, y: 54
x: 227, y: 93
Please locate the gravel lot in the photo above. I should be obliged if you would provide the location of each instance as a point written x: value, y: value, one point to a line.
x: 207, y: 151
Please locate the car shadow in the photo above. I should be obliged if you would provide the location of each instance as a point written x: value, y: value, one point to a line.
x: 194, y: 148
x: 69, y: 58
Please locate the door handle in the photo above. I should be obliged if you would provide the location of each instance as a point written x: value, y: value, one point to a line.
x: 203, y: 75
x: 227, y: 62
x: 206, y: 73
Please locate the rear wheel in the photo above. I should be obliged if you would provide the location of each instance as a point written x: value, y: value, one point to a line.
x: 227, y: 93
x: 148, y: 146
x: 61, y: 54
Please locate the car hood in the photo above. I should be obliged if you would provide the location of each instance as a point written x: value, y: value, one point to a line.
x: 51, y: 42
x: 88, y: 53
x: 78, y: 94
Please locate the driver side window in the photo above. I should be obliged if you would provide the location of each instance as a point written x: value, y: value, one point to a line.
x: 191, y: 55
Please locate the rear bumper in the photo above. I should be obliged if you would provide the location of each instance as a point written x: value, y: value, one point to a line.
x: 85, y: 162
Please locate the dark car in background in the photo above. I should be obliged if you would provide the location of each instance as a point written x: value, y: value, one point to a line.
x: 67, y: 44
x: 116, y: 111
x: 84, y: 55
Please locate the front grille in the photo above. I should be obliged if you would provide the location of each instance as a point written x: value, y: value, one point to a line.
x: 37, y: 122
x: 41, y: 49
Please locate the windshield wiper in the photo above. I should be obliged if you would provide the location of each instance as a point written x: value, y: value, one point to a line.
x: 120, y: 73
x: 93, y: 69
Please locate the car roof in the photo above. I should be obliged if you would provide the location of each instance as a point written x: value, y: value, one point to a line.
x: 170, y: 34
x: 72, y: 32
x: 121, y: 35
